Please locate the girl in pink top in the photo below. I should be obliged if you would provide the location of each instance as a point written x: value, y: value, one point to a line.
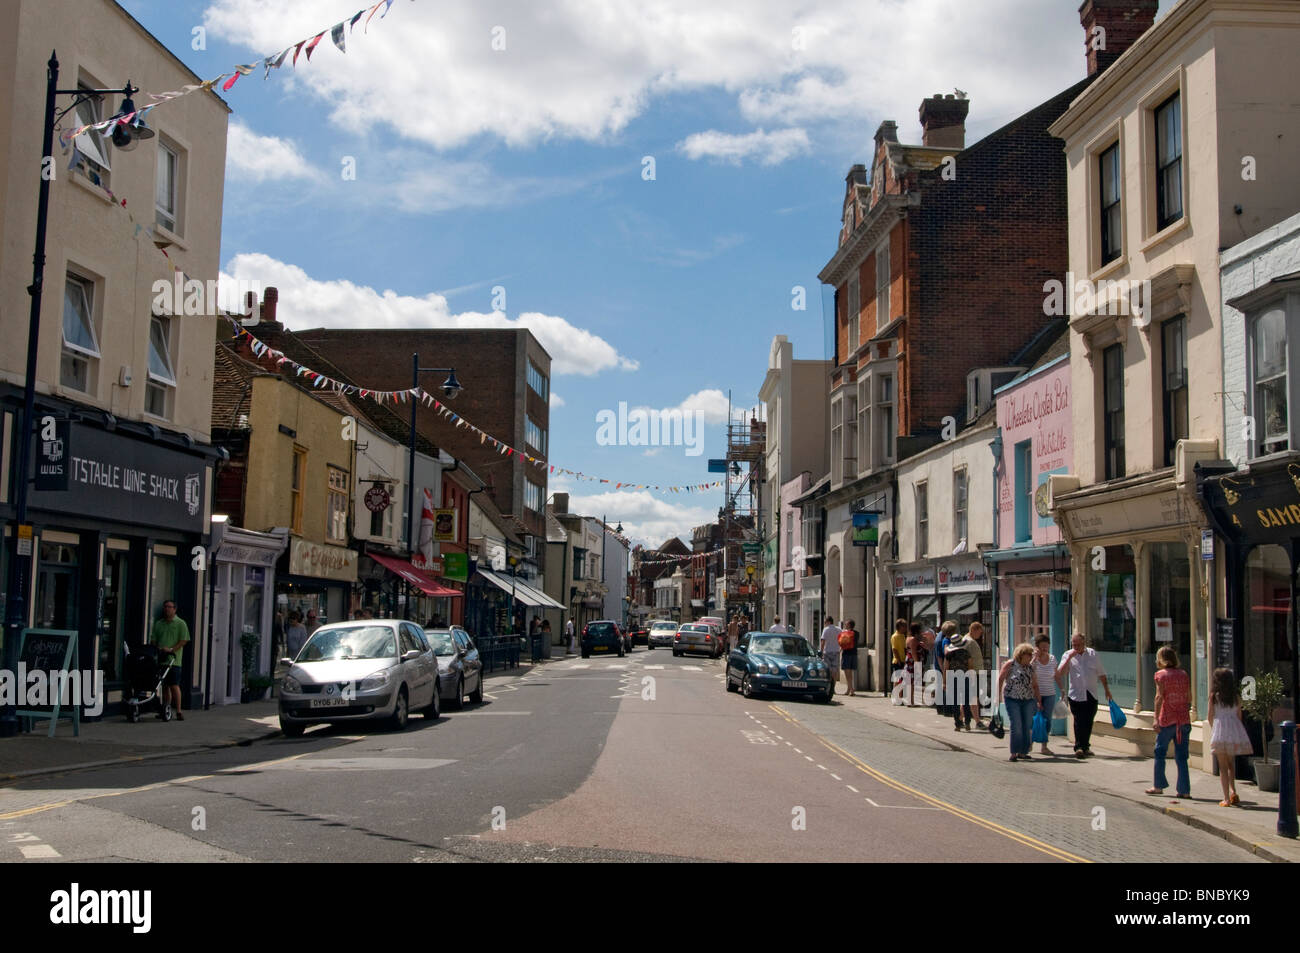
x: 1173, y: 720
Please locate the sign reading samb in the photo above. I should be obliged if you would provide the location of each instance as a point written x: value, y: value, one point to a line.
x: 323, y: 562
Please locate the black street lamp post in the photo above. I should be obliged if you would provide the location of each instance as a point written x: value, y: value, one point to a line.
x: 20, y: 566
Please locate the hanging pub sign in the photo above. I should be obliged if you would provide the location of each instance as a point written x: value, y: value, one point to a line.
x: 53, y: 444
x: 444, y: 526
x: 377, y: 498
x: 866, y: 529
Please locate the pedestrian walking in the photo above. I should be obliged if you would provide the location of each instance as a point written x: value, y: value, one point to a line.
x: 848, y: 642
x: 733, y: 632
x: 313, y: 622
x: 830, y: 649
x: 915, y: 662
x: 958, y: 660
x: 1082, y: 667
x: 1174, y: 721
x: 295, y: 634
x: 946, y: 632
x: 1045, y: 679
x: 897, y: 651
x: 1228, y: 738
x: 171, y: 635
x: 569, y: 639
x: 777, y: 627
x: 974, y: 645
x: 1016, y: 686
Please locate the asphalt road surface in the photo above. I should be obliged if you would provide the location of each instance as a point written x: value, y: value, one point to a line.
x: 640, y: 758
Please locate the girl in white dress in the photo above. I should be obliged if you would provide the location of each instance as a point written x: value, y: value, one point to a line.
x: 1228, y: 738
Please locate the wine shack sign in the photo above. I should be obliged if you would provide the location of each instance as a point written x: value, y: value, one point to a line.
x: 117, y: 477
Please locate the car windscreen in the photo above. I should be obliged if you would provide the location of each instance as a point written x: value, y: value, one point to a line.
x: 696, y: 628
x: 780, y: 645
x: 662, y: 626
x: 442, y: 642
x: 603, y: 628
x: 350, y: 642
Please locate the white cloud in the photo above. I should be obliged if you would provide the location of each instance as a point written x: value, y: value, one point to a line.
x: 586, y: 70
x: 769, y: 148
x: 256, y: 158
x: 307, y: 302
x: 646, y: 518
x: 556, y: 400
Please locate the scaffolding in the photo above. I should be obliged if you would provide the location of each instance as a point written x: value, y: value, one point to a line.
x: 741, y: 515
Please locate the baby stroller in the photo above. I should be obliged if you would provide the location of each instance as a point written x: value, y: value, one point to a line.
x: 145, y: 674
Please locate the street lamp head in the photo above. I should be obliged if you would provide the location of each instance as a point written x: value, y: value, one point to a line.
x: 126, y: 135
x: 451, y: 387
x: 619, y: 529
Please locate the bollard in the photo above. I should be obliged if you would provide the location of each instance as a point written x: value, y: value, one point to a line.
x: 1286, y: 797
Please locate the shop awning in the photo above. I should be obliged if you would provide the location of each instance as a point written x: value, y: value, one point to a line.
x: 523, y: 592
x: 421, y: 580
x: 925, y: 607
x: 963, y: 604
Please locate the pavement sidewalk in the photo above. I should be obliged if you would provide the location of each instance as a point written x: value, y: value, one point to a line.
x: 1252, y: 826
x: 114, y: 740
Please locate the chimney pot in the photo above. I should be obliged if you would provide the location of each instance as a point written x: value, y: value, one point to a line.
x: 943, y: 121
x: 270, y: 299
x: 1110, y: 27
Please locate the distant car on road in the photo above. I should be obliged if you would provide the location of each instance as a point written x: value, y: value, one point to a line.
x: 698, y: 637
x: 662, y: 632
x: 602, y: 637
x: 460, y: 667
x: 640, y: 634
x: 353, y: 671
x: 780, y: 663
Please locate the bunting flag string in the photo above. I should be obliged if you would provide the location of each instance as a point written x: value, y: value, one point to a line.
x: 228, y: 80
x: 262, y: 351
x: 701, y: 556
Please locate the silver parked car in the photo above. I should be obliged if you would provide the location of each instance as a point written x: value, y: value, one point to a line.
x: 460, y: 668
x: 365, y: 669
x: 698, y: 637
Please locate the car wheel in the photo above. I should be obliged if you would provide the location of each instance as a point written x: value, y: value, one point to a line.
x: 434, y: 710
x: 676, y: 654
x: 401, y: 710
x: 457, y: 703
x: 476, y: 696
x: 291, y: 730
x: 747, y: 687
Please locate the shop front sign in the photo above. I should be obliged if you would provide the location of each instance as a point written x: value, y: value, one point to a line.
x: 118, y: 478
x: 322, y: 562
x: 965, y: 575
x: 914, y: 582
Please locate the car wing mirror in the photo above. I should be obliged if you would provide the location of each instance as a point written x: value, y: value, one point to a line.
x: 411, y: 654
x: 286, y: 661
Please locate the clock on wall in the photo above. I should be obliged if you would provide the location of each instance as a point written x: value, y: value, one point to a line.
x: 1040, y: 500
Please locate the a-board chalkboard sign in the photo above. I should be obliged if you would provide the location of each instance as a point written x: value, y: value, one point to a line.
x: 49, y: 651
x: 1223, y: 644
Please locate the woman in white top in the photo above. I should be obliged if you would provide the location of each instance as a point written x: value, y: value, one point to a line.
x: 1045, y: 679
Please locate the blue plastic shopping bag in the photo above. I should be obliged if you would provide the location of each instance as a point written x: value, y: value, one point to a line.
x: 1117, y: 718
x: 1040, y: 729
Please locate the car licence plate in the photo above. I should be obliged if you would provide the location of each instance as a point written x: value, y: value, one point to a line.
x: 786, y: 683
x: 600, y: 648
x: 329, y: 703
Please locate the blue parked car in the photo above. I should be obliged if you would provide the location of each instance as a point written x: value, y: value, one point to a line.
x: 779, y: 663
x: 602, y: 636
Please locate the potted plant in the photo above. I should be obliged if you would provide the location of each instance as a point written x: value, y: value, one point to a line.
x: 258, y: 685
x: 1267, y: 695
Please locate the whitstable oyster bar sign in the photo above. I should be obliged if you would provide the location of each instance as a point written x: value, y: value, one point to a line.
x: 135, y: 481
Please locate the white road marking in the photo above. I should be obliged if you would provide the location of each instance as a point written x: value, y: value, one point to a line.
x: 797, y: 751
x: 836, y: 776
x: 791, y: 745
x: 808, y: 757
x: 691, y: 668
x: 1073, y: 817
x: 349, y: 764
x: 581, y: 665
x: 656, y: 667
x: 488, y: 711
x: 871, y: 802
x: 37, y: 851
x: 822, y: 766
x: 778, y: 737
x: 853, y: 789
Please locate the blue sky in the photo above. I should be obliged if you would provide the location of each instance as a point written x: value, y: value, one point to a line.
x: 523, y: 167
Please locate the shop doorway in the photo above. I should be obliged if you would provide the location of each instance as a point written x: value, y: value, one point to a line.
x: 56, y: 587
x: 115, y: 582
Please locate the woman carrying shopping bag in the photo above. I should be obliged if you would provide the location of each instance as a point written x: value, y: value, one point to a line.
x: 1016, y: 686
x: 1045, y: 678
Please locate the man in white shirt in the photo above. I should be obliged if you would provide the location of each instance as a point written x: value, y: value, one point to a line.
x: 1082, y: 667
x: 777, y: 627
x: 568, y: 636
x: 830, y: 649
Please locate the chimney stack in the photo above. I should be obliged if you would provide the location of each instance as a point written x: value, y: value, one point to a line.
x: 270, y: 298
x: 1111, y: 26
x: 943, y: 121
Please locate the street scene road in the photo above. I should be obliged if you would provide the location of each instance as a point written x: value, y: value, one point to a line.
x: 643, y: 758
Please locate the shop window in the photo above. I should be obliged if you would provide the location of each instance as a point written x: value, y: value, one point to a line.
x: 1269, y: 383
x: 336, y: 529
x: 162, y: 587
x: 1032, y: 617
x: 1169, y: 162
x: 1111, y: 612
x: 162, y: 379
x: 56, y: 587
x: 1113, y: 410
x: 1168, y: 611
x: 80, y: 343
x: 1110, y: 195
x: 1267, y: 612
x: 1173, y: 358
x: 1024, y: 477
x: 922, y: 519
x: 959, y: 507
x: 298, y: 483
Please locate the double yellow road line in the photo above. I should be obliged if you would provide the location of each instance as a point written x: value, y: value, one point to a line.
x: 1054, y: 852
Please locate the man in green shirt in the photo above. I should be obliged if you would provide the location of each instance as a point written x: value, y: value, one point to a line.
x: 171, y: 634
